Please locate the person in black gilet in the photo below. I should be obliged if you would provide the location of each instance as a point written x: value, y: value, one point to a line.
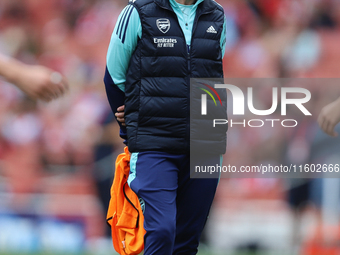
x: 157, y: 46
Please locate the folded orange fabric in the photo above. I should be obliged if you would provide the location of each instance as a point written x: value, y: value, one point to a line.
x: 125, y: 213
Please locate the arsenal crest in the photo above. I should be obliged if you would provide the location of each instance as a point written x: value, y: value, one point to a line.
x: 163, y: 25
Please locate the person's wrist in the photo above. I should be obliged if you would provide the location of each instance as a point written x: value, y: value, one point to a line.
x: 338, y: 101
x: 14, y: 73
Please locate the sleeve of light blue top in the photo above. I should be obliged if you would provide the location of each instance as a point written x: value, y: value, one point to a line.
x: 123, y: 43
x: 223, y: 36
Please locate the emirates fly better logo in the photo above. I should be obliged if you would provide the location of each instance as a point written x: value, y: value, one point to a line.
x: 239, y: 103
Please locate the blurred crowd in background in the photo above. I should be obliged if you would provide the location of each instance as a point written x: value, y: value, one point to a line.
x: 56, y: 159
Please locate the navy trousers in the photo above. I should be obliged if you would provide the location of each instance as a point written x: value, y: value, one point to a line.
x: 176, y: 207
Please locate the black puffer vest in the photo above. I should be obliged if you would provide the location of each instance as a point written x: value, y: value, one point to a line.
x: 157, y: 89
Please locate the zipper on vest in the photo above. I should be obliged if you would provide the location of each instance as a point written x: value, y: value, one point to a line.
x: 189, y: 58
x: 197, y: 16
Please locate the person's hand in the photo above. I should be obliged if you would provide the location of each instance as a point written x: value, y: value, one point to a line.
x: 120, y: 114
x: 329, y: 117
x: 39, y: 82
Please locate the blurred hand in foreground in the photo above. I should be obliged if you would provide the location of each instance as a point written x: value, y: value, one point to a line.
x: 329, y: 117
x: 37, y: 82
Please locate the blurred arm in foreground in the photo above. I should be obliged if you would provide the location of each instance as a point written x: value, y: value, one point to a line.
x: 37, y: 82
x: 329, y: 117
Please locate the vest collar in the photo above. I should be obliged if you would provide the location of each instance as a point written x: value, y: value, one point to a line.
x: 205, y: 6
